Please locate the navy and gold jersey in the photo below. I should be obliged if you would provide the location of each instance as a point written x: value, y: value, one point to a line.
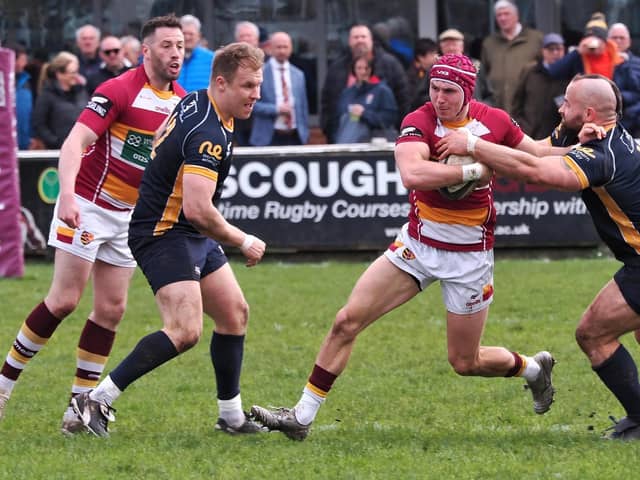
x: 195, y: 141
x: 609, y: 173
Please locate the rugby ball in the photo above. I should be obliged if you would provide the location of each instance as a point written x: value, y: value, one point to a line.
x: 460, y: 190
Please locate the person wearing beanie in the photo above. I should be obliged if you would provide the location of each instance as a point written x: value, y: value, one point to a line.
x: 599, y: 54
x: 594, y: 54
x: 445, y: 241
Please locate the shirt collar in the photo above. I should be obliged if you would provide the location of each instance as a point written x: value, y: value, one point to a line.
x: 277, y: 65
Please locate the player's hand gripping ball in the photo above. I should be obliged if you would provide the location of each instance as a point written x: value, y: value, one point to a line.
x: 460, y: 190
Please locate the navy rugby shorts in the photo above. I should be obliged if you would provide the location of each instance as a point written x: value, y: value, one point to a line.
x: 174, y: 258
x: 628, y: 280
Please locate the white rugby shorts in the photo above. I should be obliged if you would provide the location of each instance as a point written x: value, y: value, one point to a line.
x: 102, y: 234
x: 466, y: 278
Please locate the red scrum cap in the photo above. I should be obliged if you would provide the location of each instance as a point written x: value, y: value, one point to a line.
x: 457, y: 70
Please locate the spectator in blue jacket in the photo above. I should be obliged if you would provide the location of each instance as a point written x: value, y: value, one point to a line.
x: 281, y: 116
x: 367, y: 108
x: 627, y: 77
x: 24, y: 97
x: 196, y: 69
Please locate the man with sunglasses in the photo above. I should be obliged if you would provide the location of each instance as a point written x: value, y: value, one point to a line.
x: 113, y: 63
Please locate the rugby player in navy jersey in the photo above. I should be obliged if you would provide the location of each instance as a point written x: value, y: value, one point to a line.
x: 176, y: 234
x: 605, y: 167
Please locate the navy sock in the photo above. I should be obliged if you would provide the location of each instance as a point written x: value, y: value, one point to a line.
x: 150, y: 352
x: 226, y: 356
x: 620, y: 375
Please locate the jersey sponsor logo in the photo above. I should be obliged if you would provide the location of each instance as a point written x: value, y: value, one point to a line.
x: 99, y: 104
x: 137, y: 148
x: 209, y: 149
x: 410, y: 132
x: 584, y: 153
x: 513, y: 120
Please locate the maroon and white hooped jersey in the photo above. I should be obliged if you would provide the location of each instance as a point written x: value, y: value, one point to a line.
x: 461, y: 225
x: 124, y: 112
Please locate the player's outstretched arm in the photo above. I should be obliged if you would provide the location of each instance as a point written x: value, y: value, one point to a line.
x: 541, y: 148
x: 551, y: 171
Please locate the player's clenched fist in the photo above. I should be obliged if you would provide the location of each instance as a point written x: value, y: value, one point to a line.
x: 253, y: 249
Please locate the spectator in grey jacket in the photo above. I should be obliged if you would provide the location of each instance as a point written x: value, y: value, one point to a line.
x: 339, y: 77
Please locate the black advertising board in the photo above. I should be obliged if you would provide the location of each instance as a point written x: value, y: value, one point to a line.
x: 334, y: 198
x: 343, y: 197
x: 348, y: 197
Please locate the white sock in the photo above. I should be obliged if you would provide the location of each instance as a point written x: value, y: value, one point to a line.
x: 307, y: 407
x: 231, y: 411
x: 6, y: 385
x: 531, y: 369
x: 106, y: 391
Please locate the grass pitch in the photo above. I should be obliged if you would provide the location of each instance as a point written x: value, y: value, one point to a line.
x: 397, y: 412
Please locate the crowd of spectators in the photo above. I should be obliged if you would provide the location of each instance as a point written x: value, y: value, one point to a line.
x: 521, y: 70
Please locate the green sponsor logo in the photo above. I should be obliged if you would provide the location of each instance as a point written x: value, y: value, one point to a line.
x: 137, y: 148
x: 49, y: 185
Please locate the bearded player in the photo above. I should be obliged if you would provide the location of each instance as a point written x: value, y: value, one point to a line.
x: 444, y: 240
x: 605, y: 169
x: 101, y: 164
